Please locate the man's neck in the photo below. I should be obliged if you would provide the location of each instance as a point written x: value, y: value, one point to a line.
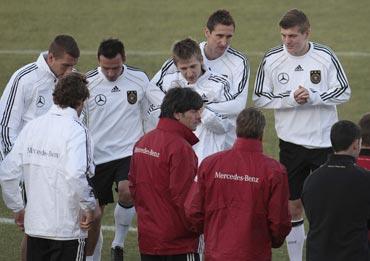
x: 209, y: 55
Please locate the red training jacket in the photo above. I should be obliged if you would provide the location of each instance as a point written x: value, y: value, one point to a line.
x: 162, y: 169
x: 240, y: 200
x: 364, y: 159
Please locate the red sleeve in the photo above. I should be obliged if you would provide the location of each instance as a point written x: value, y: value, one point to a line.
x: 279, y: 218
x: 183, y: 168
x: 194, y: 204
x: 132, y: 178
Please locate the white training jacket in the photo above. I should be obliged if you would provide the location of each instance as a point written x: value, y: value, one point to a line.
x: 114, y: 112
x: 27, y: 95
x: 321, y: 73
x: 214, y: 89
x: 53, y: 156
x: 235, y: 67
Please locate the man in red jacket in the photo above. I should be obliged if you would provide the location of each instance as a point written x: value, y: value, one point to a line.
x: 240, y: 197
x: 364, y: 159
x: 163, y: 166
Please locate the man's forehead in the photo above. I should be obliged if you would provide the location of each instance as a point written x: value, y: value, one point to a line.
x: 223, y: 29
x: 188, y: 62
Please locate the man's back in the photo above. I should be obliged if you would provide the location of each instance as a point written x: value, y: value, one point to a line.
x: 336, y: 198
x: 55, y: 181
x: 243, y: 194
x: 162, y: 168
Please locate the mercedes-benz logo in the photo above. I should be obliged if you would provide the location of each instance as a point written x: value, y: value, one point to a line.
x: 283, y: 78
x: 40, y: 101
x: 100, y: 99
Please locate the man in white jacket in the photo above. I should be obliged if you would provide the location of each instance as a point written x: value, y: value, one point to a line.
x: 220, y: 57
x: 53, y: 154
x: 212, y: 87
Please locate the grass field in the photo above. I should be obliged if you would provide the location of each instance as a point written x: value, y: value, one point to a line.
x: 149, y: 28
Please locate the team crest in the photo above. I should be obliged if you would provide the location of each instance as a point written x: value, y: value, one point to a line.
x: 132, y: 97
x: 315, y: 76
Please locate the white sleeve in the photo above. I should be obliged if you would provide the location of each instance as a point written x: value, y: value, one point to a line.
x: 338, y: 90
x: 12, y: 110
x: 78, y: 168
x: 235, y: 97
x: 10, y: 176
x: 155, y: 94
x: 264, y: 95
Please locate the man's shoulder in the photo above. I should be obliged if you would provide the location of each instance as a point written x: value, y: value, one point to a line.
x: 163, y: 141
x: 215, y: 157
x: 273, y: 163
x: 29, y: 72
x: 274, y: 53
x: 234, y: 59
x: 171, y: 79
x: 93, y: 77
x: 236, y: 55
x: 137, y: 73
x: 322, y: 50
x: 93, y: 73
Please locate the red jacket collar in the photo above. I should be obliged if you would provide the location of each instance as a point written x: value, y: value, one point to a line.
x: 171, y: 125
x: 248, y: 144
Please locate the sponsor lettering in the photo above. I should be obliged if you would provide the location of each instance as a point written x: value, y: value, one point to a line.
x: 146, y: 151
x: 236, y: 177
x: 42, y: 152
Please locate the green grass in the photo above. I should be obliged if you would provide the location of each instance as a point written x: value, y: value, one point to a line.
x: 153, y: 26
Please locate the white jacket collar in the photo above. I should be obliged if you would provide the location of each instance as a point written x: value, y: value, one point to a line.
x: 42, y: 64
x: 68, y: 112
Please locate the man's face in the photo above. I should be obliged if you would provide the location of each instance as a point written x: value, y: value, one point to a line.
x: 190, y: 118
x: 218, y: 40
x: 295, y: 42
x: 61, y: 66
x: 111, y: 68
x: 190, y: 69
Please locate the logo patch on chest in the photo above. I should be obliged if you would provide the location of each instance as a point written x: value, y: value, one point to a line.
x: 283, y: 78
x: 132, y: 97
x: 40, y: 102
x: 100, y: 99
x: 115, y: 89
x: 315, y: 76
x: 298, y: 69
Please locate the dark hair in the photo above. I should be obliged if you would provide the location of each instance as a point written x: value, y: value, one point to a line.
x: 220, y: 17
x: 71, y: 90
x: 343, y: 134
x: 185, y: 49
x: 180, y: 100
x: 365, y: 129
x: 293, y: 18
x: 64, y: 44
x: 250, y: 123
x: 110, y: 48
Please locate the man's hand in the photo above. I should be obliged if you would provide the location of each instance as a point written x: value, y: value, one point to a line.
x: 19, y: 219
x: 87, y: 218
x: 301, y: 95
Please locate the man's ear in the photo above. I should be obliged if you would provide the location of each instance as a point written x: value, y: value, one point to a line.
x: 50, y: 58
x: 357, y: 144
x: 206, y: 32
x: 176, y: 115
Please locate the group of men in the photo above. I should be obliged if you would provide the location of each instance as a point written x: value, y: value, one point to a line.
x: 192, y: 112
